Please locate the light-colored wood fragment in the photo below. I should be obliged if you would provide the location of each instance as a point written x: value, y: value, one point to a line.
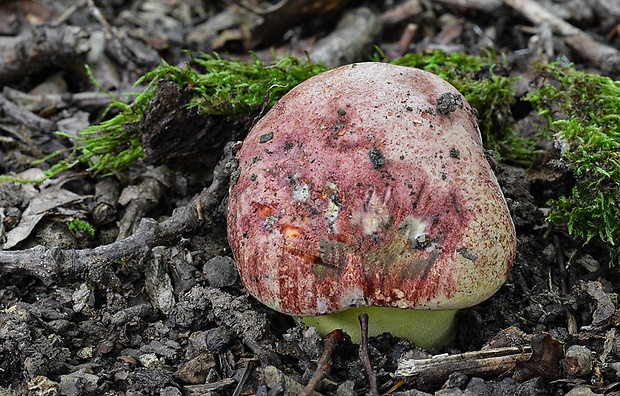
x: 483, y: 363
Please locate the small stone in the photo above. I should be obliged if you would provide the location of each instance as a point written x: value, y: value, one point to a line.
x: 276, y: 379
x: 412, y: 392
x: 534, y: 386
x: 170, y: 391
x: 78, y: 383
x: 217, y: 339
x: 477, y: 386
x: 43, y: 385
x: 588, y: 262
x: 82, y: 297
x: 449, y: 392
x: 85, y: 353
x: 578, y: 361
x: 549, y: 253
x: 455, y: 380
x: 605, y: 307
x: 448, y: 103
x: 160, y: 349
x: 150, y: 360
x: 220, y: 271
x: 581, y: 391
x: 346, y: 389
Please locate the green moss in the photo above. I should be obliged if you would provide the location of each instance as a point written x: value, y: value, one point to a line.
x: 112, y: 145
x: 222, y: 87
x: 582, y: 112
x: 228, y: 87
x: 79, y: 225
x: 231, y: 87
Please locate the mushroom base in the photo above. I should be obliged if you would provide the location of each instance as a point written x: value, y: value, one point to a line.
x: 426, y: 329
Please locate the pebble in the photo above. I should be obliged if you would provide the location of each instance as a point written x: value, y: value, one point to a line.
x: 220, y: 271
x: 578, y: 361
x: 581, y: 391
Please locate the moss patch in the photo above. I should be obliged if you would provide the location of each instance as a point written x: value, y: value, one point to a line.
x: 220, y: 87
x: 582, y: 113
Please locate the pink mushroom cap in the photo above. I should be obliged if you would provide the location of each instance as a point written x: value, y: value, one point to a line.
x: 367, y: 185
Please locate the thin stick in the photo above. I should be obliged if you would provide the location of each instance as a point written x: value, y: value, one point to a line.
x: 323, y: 367
x: 48, y: 264
x: 365, y: 356
x: 485, y: 363
x: 604, y: 56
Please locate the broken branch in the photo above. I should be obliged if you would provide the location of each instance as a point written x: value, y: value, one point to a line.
x: 484, y: 363
x: 47, y: 264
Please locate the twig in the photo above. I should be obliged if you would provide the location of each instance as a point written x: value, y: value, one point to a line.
x: 365, y: 356
x: 561, y: 264
x: 92, y: 8
x: 41, y: 48
x: 407, y: 37
x: 83, y: 100
x: 402, y: 12
x: 95, y: 264
x: 604, y: 56
x: 351, y: 41
x: 565, y: 284
x: 244, y: 377
x: 489, y: 6
x: 25, y: 117
x: 260, y: 11
x: 94, y: 11
x: 485, y: 363
x: 323, y: 367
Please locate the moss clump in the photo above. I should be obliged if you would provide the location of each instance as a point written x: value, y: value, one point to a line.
x: 582, y: 112
x: 225, y: 87
x: 484, y: 82
x: 231, y: 87
x: 113, y: 144
x: 82, y: 226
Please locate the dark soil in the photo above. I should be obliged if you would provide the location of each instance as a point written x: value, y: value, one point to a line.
x: 173, y: 318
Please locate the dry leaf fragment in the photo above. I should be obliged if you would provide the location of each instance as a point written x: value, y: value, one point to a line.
x: 50, y: 199
x: 547, y: 353
x: 605, y: 307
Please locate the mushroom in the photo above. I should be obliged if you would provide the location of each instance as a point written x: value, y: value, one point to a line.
x: 366, y: 189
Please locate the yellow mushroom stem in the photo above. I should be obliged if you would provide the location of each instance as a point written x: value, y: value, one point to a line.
x: 426, y: 329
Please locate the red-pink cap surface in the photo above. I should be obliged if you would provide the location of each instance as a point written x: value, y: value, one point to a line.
x: 368, y: 185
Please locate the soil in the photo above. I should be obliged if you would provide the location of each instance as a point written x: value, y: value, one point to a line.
x: 168, y: 315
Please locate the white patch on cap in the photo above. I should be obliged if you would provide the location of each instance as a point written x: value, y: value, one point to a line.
x: 418, y: 236
x: 333, y: 208
x: 375, y: 211
x: 301, y: 191
x: 353, y: 298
